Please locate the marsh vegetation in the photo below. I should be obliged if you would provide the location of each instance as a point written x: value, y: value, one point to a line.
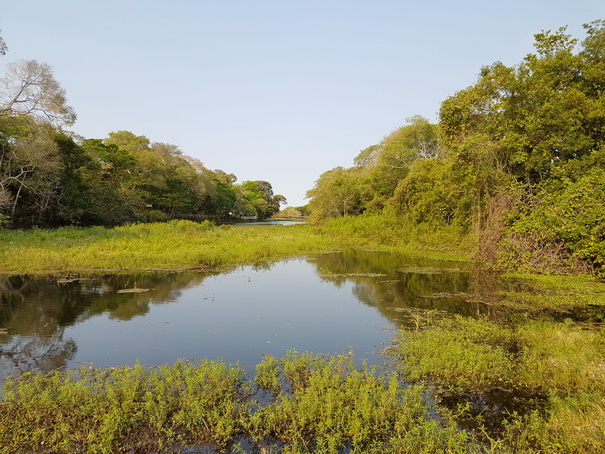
x: 469, y: 360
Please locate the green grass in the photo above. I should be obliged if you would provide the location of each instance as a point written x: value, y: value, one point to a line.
x: 174, y: 245
x: 122, y: 409
x: 468, y: 354
x: 180, y: 245
x: 320, y: 404
x: 559, y: 360
x: 555, y: 291
x: 396, y: 233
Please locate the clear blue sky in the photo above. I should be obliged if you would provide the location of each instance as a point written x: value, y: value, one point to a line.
x: 276, y: 90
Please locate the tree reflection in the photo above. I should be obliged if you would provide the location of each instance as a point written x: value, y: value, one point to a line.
x: 43, y: 353
x: 34, y: 311
x: 400, y: 286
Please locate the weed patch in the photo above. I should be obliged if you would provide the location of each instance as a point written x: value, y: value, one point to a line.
x: 320, y: 404
x: 476, y: 357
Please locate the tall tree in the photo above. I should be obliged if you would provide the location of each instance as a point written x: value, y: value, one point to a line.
x: 337, y: 193
x: 531, y: 119
x: 29, y: 88
x: 30, y: 168
x: 256, y: 197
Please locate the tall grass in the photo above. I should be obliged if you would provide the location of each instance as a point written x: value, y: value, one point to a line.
x: 178, y: 245
x: 392, y: 232
x: 157, y: 246
x: 123, y: 409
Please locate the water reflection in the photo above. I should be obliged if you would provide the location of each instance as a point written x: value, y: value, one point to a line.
x: 272, y: 222
x: 35, y: 311
x: 323, y: 303
x: 400, y: 285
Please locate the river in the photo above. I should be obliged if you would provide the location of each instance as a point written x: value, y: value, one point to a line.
x: 325, y: 303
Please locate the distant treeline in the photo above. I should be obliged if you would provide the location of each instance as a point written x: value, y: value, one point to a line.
x: 517, y: 161
x: 50, y: 178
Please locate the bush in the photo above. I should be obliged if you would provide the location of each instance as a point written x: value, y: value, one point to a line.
x: 566, y: 231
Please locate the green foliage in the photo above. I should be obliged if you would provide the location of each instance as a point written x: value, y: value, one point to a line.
x: 177, y: 244
x: 50, y: 179
x: 121, y: 179
x: 459, y: 354
x: 557, y: 360
x: 519, y: 165
x: 436, y: 191
x: 401, y: 233
x: 328, y: 405
x: 257, y: 198
x: 290, y: 212
x: 337, y: 193
x: 378, y: 170
x: 122, y: 409
x: 564, y: 230
x: 571, y: 424
x: 476, y: 355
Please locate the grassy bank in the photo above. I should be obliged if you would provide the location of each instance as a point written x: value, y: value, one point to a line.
x: 530, y: 378
x: 397, y: 233
x: 298, y: 404
x: 179, y: 245
x: 550, y: 377
x: 173, y: 245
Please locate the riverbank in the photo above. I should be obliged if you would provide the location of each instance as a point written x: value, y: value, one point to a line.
x: 175, y: 245
x: 185, y: 245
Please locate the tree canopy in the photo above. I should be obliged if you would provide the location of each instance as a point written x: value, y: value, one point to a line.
x: 49, y: 177
x: 516, y: 160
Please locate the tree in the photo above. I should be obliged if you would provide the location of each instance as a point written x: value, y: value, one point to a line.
x: 3, y: 47
x: 29, y: 88
x: 105, y: 177
x: 535, y: 116
x: 388, y: 162
x: 127, y: 141
x: 337, y: 193
x: 30, y: 168
x: 256, y: 197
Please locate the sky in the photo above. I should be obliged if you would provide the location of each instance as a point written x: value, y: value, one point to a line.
x: 274, y: 90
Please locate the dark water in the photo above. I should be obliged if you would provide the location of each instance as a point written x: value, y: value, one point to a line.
x: 326, y: 303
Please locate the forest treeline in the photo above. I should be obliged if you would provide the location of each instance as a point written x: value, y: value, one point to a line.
x: 50, y: 177
x: 516, y: 161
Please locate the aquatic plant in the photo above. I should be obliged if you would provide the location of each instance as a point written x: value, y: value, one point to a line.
x: 322, y: 404
x: 559, y: 363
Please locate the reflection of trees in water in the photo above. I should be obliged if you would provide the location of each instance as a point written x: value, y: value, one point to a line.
x: 42, y: 353
x: 35, y: 310
x: 154, y: 288
x: 400, y: 286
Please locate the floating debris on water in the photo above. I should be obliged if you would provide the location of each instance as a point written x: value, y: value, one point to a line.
x: 133, y: 290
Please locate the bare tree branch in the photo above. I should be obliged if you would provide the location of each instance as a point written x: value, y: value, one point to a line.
x: 3, y: 47
x: 29, y: 88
